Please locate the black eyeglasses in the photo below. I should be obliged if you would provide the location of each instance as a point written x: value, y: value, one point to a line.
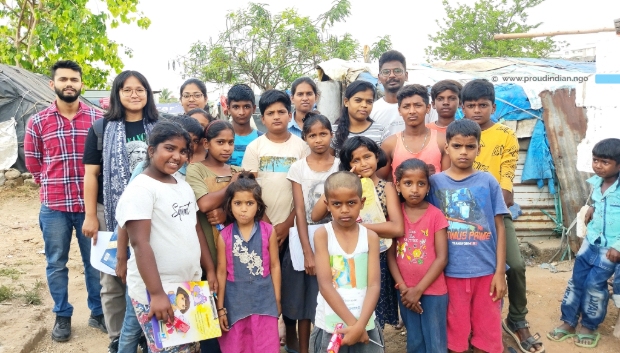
x: 397, y: 72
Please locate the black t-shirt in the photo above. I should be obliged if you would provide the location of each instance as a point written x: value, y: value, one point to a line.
x: 136, y: 150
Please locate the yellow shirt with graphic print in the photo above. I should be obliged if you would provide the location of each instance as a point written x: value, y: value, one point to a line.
x: 499, y: 153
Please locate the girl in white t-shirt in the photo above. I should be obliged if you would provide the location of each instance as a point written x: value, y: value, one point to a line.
x: 159, y: 213
x: 307, y: 176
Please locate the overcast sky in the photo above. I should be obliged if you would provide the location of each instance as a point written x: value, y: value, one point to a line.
x: 177, y: 24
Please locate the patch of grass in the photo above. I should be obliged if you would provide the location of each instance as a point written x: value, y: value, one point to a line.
x: 32, y: 296
x: 9, y: 272
x: 6, y: 293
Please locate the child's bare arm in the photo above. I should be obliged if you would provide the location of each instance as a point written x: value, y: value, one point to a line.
x: 395, y: 227
x: 206, y: 261
x: 274, y: 266
x: 387, y: 146
x: 122, y: 242
x: 139, y: 232
x: 319, y: 211
x: 498, y: 285
x: 282, y: 229
x: 324, y: 278
x: 221, y: 279
x: 302, y: 228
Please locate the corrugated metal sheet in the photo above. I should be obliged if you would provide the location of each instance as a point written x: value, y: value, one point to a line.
x: 532, y: 200
x: 566, y: 125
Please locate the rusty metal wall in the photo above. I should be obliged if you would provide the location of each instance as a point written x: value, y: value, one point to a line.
x: 566, y: 126
x: 532, y: 200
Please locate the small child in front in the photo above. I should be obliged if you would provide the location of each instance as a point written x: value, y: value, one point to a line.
x: 347, y: 269
x: 587, y: 293
x: 472, y: 202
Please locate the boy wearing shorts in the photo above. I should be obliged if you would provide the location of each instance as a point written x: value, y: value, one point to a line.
x: 475, y: 275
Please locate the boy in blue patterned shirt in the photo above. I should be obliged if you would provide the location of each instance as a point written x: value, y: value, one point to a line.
x: 587, y: 293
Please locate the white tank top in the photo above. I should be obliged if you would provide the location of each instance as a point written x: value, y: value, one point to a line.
x: 349, y: 277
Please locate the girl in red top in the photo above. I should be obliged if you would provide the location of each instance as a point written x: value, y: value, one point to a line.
x: 417, y: 261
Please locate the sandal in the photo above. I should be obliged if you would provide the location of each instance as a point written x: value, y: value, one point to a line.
x: 511, y: 327
x: 594, y: 337
x: 558, y: 331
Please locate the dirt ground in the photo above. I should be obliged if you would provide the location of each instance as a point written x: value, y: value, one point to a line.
x: 27, y: 327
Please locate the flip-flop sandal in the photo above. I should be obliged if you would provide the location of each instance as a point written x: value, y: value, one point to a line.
x: 587, y: 336
x: 288, y: 350
x: 511, y: 327
x: 558, y: 331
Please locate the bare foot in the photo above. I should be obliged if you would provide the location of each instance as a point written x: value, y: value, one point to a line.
x: 556, y: 336
x: 617, y: 328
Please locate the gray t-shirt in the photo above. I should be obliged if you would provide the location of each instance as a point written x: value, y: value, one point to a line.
x: 172, y: 210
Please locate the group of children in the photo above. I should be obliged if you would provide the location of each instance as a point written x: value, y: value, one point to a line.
x: 410, y: 221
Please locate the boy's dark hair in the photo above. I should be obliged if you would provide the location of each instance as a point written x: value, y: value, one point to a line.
x: 446, y: 85
x: 246, y: 182
x: 312, y: 118
x: 410, y: 91
x: 342, y: 132
x: 343, y: 179
x: 608, y: 149
x: 478, y: 89
x: 65, y: 64
x: 463, y: 127
x: 201, y: 86
x: 355, y: 142
x: 163, y: 131
x: 190, y: 125
x: 202, y: 112
x: 185, y: 295
x: 271, y: 97
x: 215, y: 127
x: 411, y: 164
x: 392, y: 55
x: 239, y: 93
x: 116, y: 111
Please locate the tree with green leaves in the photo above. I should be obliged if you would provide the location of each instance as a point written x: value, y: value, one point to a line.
x: 272, y: 50
x: 467, y: 32
x: 166, y: 96
x: 36, y: 33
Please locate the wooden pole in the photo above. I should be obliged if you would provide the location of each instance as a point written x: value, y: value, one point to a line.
x: 617, y: 23
x: 556, y: 33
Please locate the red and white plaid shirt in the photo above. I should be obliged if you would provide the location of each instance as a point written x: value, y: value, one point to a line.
x: 53, y: 147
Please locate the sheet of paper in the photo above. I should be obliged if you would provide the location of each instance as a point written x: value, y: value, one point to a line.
x: 294, y: 244
x: 103, y: 255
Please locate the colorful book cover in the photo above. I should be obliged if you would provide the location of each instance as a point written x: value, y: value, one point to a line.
x: 195, y: 315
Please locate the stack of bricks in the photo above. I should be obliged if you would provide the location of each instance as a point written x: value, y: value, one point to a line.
x: 12, y: 178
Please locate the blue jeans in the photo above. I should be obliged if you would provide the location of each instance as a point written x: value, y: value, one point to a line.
x: 616, y: 296
x: 587, y: 293
x: 427, y: 332
x: 131, y: 331
x: 57, y: 228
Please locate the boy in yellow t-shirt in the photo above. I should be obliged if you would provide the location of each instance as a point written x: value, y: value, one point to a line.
x: 499, y: 152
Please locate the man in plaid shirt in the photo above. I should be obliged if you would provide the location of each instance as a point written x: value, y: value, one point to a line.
x: 54, y: 145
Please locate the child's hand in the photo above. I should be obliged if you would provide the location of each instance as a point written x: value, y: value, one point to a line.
x: 281, y: 232
x: 411, y: 299
x: 161, y: 308
x: 498, y: 286
x: 216, y: 216
x: 354, y: 334
x: 589, y: 215
x: 224, y: 323
x: 235, y: 176
x: 431, y: 169
x: 121, y: 267
x: 613, y: 255
x: 212, y: 281
x: 309, y: 264
x: 354, y: 172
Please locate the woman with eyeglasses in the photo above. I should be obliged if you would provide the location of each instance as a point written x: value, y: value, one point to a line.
x: 126, y: 126
x: 193, y: 95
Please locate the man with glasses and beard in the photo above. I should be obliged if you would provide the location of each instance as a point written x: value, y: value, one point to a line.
x: 392, y: 75
x: 54, y: 145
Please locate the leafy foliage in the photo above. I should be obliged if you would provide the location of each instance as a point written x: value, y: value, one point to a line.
x: 36, y: 33
x: 166, y: 96
x: 271, y: 50
x: 467, y: 32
